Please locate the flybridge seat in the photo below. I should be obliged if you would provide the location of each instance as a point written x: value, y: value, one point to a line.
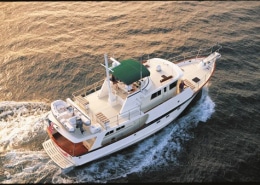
x: 165, y: 78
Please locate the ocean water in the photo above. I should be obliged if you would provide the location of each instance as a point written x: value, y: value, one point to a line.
x: 51, y: 49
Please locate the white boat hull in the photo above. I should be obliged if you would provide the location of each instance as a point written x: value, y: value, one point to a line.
x: 116, y: 117
x: 64, y: 160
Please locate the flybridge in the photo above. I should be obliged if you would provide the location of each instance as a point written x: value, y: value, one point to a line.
x: 130, y: 71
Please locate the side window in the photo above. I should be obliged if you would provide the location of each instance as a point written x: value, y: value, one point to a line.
x: 165, y: 89
x: 158, y: 93
x: 109, y: 132
x: 120, y: 127
x: 154, y: 95
x: 172, y: 85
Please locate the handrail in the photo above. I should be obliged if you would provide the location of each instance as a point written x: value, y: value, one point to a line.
x: 197, y: 53
x: 125, y: 115
x: 89, y: 89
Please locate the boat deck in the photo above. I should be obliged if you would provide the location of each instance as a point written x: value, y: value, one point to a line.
x: 194, y: 75
x: 101, y: 111
x: 73, y: 149
x: 161, y: 72
x: 101, y: 105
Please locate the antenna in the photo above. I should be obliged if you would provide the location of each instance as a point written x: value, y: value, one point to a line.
x: 141, y: 75
x: 108, y: 81
x: 141, y: 66
x: 107, y: 68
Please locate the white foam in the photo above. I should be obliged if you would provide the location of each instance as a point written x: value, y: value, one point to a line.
x: 24, y: 166
x: 22, y: 126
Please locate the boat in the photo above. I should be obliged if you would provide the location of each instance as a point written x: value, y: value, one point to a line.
x: 134, y: 100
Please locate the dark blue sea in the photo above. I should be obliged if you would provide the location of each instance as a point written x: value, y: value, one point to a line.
x: 48, y: 50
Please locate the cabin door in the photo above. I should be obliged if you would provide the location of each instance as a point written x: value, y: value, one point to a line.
x: 164, y: 93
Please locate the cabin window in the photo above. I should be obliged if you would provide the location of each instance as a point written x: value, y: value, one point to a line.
x: 172, y: 85
x: 120, y: 127
x: 165, y: 89
x: 110, y: 132
x: 158, y: 93
x: 154, y: 95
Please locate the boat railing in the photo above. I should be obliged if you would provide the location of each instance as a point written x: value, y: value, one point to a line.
x: 205, y: 78
x: 195, y: 54
x: 116, y: 119
x: 88, y: 89
x: 120, y: 118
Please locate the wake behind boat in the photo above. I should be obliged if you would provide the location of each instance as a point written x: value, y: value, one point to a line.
x: 135, y: 100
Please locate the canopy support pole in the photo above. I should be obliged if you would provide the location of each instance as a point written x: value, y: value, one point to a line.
x: 110, y: 96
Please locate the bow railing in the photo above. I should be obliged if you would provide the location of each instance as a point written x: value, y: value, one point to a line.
x: 195, y: 54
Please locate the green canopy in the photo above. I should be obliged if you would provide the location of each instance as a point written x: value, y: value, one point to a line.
x: 130, y: 71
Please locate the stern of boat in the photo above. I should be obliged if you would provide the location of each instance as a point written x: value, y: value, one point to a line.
x: 62, y: 159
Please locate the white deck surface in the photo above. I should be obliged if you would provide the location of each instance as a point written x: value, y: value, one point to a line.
x: 102, y: 105
x: 192, y: 70
x: 167, y: 69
